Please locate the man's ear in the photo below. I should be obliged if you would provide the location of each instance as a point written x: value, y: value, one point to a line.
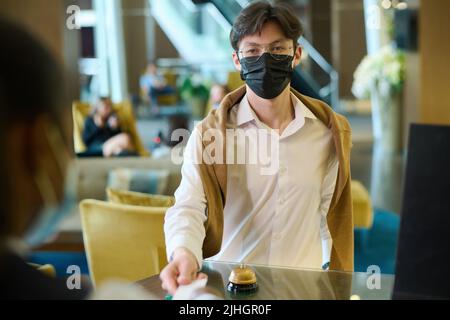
x: 297, y: 56
x: 237, y: 63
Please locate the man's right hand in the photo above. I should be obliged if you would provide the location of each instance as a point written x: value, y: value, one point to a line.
x: 182, y: 270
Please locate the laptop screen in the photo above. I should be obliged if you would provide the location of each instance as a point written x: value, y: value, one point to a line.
x: 423, y: 256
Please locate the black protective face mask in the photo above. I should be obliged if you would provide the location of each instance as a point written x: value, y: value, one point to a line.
x: 267, y: 76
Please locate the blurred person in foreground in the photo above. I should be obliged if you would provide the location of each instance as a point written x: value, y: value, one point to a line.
x: 38, y: 176
x: 102, y: 134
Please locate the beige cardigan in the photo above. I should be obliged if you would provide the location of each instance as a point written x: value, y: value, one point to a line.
x: 340, y: 215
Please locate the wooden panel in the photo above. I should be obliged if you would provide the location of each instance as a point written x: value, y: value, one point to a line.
x: 348, y: 41
x: 46, y: 19
x: 435, y: 52
x: 43, y: 18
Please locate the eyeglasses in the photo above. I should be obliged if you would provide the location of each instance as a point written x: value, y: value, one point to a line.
x: 279, y: 51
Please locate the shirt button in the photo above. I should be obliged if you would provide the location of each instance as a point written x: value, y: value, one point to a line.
x: 280, y: 201
x: 282, y: 170
x: 277, y: 237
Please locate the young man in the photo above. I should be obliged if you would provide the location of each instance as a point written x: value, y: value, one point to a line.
x: 300, y: 215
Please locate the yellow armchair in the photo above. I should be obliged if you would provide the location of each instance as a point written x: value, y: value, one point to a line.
x: 122, y: 242
x: 234, y: 80
x: 362, y: 206
x: 169, y: 99
x: 124, y: 110
x: 47, y: 269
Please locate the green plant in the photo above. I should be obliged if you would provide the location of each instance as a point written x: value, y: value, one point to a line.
x: 193, y: 87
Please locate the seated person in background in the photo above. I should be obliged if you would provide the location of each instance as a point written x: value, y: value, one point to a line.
x: 102, y: 134
x: 217, y: 93
x: 153, y: 84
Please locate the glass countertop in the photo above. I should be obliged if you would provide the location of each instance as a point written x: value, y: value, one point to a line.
x: 284, y: 283
x: 275, y: 282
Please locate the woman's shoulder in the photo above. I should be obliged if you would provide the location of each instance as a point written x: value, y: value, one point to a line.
x: 18, y: 280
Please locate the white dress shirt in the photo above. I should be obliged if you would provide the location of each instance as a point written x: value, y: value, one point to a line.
x: 273, y: 217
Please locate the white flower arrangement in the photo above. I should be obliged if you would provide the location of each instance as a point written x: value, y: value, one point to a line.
x: 383, y: 71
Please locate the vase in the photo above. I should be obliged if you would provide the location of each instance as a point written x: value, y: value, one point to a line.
x: 387, y: 121
x: 388, y: 144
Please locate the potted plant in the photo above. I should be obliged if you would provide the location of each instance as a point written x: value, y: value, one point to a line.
x: 195, y: 92
x: 380, y: 77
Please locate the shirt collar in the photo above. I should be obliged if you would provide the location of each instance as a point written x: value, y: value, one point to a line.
x: 246, y: 114
x: 301, y: 110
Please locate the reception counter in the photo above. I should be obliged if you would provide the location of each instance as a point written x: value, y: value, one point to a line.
x: 293, y: 284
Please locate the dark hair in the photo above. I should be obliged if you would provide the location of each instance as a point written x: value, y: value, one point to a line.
x: 31, y: 82
x: 105, y: 98
x: 252, y: 19
x: 31, y: 85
